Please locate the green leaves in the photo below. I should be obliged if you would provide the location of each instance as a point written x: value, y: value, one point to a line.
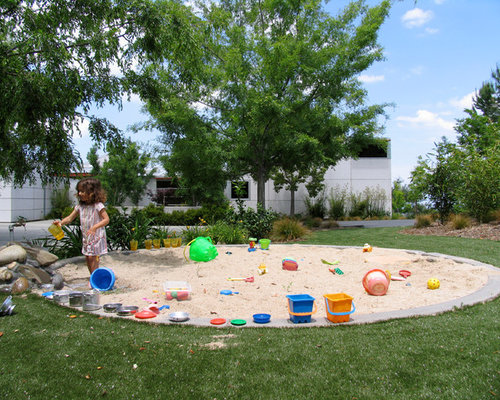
x: 278, y: 88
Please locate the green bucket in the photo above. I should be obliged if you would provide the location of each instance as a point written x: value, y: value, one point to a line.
x: 264, y: 244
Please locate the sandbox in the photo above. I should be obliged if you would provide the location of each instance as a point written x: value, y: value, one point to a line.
x: 140, y: 278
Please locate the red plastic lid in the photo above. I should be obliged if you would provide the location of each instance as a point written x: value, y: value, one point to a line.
x: 145, y: 314
x: 405, y: 273
x: 218, y: 321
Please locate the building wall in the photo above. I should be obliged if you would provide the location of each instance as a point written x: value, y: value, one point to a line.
x: 33, y: 202
x: 30, y: 201
x: 353, y: 176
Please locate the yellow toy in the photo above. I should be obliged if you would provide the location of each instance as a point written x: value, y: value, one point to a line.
x: 433, y: 283
x: 367, y: 248
x: 262, y: 269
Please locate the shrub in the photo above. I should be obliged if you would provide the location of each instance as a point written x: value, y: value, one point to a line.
x: 123, y: 228
x: 69, y: 246
x: 358, y: 206
x: 316, y: 208
x: 222, y: 232
x: 337, y: 203
x: 423, y: 221
x: 154, y: 213
x: 60, y: 202
x: 460, y: 221
x: 495, y: 215
x: 375, y: 199
x: 257, y: 223
x: 287, y: 228
x: 215, y: 212
x: 192, y: 216
x: 192, y: 232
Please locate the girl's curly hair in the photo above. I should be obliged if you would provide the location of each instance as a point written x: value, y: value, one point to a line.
x: 93, y: 189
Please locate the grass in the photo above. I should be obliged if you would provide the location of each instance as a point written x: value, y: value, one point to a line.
x: 46, y: 354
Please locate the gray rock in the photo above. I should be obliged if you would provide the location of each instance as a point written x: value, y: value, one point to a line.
x: 5, y: 274
x: 13, y: 266
x: 58, y: 281
x: 36, y: 274
x: 43, y: 257
x: 5, y: 289
x: 13, y: 253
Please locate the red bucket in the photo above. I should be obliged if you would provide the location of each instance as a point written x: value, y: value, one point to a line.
x: 376, y: 282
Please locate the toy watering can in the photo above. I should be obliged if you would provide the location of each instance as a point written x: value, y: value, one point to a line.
x: 201, y: 249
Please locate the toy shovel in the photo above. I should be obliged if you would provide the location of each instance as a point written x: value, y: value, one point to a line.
x: 329, y: 263
x: 250, y: 279
x: 333, y: 270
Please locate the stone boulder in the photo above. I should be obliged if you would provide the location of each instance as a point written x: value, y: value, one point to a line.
x: 13, y: 253
x: 43, y: 257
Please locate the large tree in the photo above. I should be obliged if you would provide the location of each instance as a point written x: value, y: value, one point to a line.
x: 58, y: 58
x: 280, y: 70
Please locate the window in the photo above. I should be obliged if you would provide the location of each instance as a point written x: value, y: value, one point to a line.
x: 164, y: 183
x: 374, y: 150
x: 239, y: 189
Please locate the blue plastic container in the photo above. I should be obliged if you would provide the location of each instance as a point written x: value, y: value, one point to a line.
x: 102, y: 279
x: 300, y: 307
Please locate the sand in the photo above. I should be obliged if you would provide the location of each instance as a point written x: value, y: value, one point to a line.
x: 140, y: 278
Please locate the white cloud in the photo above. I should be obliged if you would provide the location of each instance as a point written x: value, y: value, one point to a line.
x: 431, y: 31
x: 416, y: 17
x: 371, y: 78
x: 464, y: 102
x: 428, y: 119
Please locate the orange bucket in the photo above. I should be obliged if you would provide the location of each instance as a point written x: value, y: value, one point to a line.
x: 339, y: 307
x: 376, y: 282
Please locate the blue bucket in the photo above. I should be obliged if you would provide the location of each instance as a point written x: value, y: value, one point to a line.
x: 301, y: 307
x: 102, y: 279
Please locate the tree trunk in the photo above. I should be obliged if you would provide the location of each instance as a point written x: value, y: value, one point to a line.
x: 292, y: 203
x: 261, y: 190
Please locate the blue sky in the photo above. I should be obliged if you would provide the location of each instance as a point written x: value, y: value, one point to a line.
x: 437, y: 54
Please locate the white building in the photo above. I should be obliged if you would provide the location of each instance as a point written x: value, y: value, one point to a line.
x: 30, y: 201
x: 371, y: 170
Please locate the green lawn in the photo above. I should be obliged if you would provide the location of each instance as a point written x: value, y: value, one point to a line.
x: 44, y: 354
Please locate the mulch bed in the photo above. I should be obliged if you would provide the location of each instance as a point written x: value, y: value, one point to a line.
x: 489, y: 231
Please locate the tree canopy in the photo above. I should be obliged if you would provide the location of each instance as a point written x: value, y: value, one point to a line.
x: 465, y: 176
x: 59, y: 58
x: 125, y: 173
x: 279, y: 84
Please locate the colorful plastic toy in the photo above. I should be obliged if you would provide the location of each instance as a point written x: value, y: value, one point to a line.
x: 262, y: 269
x: 433, y: 283
x: 367, y: 248
x: 376, y: 282
x: 289, y: 264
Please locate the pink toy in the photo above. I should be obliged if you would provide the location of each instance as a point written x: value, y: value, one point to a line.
x: 376, y: 282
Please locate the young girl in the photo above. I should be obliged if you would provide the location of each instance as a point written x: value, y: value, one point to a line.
x: 93, y: 219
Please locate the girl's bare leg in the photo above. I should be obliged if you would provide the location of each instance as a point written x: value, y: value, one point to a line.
x: 92, y: 263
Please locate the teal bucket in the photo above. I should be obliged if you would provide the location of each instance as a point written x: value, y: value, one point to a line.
x: 300, y: 307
